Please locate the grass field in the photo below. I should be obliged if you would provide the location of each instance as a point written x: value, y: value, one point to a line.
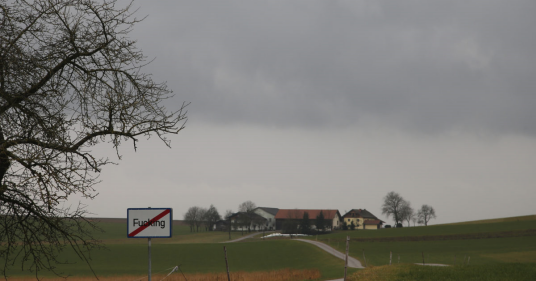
x: 507, y: 245
x: 131, y: 259
x: 446, y: 244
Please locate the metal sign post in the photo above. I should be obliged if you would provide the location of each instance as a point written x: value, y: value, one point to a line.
x: 149, y: 223
x: 149, y: 239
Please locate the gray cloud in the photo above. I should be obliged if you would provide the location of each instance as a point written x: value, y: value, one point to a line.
x: 417, y: 65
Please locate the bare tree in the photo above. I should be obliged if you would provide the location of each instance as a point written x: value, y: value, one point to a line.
x: 414, y: 219
x: 191, y: 216
x: 211, y: 217
x: 228, y: 214
x: 406, y: 212
x: 425, y: 214
x: 71, y: 77
x: 392, y: 204
x: 247, y: 208
x: 200, y: 218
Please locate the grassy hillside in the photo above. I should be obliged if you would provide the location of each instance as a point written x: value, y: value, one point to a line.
x: 509, y: 219
x: 509, y: 225
x: 511, y: 240
x: 496, y: 244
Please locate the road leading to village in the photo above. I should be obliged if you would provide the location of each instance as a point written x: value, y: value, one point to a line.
x: 352, y: 262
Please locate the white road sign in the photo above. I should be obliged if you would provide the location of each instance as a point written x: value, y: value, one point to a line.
x: 149, y: 222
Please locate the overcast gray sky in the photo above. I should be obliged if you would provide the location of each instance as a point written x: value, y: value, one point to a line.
x: 332, y: 104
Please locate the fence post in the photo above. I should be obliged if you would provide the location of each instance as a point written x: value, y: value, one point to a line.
x: 364, y: 258
x: 226, y: 264
x: 422, y: 258
x: 346, y: 260
x: 390, y: 257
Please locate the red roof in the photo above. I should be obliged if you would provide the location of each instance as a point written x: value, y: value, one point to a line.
x: 298, y: 214
x: 373, y: 222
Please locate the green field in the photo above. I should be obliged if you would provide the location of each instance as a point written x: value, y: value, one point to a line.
x: 507, y: 245
x: 512, y: 240
x: 195, y: 252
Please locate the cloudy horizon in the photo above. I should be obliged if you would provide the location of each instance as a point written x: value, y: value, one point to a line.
x: 333, y: 104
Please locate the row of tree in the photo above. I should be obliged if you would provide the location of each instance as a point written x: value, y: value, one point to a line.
x: 400, y: 209
x: 198, y: 216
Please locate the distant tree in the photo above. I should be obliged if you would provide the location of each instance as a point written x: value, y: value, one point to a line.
x: 414, y: 219
x: 425, y: 214
x: 247, y: 207
x: 211, y: 217
x: 200, y: 217
x: 256, y: 220
x: 305, y: 225
x: 228, y: 214
x: 320, y: 222
x: 406, y: 212
x: 190, y: 217
x: 392, y: 204
x: 352, y: 225
x: 344, y: 226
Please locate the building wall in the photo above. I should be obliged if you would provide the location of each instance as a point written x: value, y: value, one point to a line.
x: 336, y: 224
x: 371, y: 226
x: 270, y: 219
x: 357, y: 221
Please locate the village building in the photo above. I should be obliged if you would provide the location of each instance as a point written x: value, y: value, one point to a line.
x: 332, y: 217
x: 362, y: 219
x: 269, y: 215
x: 243, y: 221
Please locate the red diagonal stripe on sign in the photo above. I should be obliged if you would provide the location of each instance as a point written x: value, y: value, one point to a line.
x: 143, y: 227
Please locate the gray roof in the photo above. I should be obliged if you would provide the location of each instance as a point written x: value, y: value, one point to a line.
x: 272, y: 211
x: 363, y: 213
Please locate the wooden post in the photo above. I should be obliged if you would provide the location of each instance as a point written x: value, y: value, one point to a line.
x: 422, y: 258
x: 390, y: 257
x: 454, y: 259
x: 469, y: 258
x: 398, y: 258
x: 346, y: 260
x: 226, y: 264
x: 364, y: 258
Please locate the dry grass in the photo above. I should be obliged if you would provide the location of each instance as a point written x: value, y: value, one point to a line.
x: 276, y: 275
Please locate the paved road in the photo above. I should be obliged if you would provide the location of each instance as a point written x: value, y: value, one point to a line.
x: 244, y: 237
x: 352, y: 262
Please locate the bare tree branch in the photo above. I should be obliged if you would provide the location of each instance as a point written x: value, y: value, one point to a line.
x: 70, y: 78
